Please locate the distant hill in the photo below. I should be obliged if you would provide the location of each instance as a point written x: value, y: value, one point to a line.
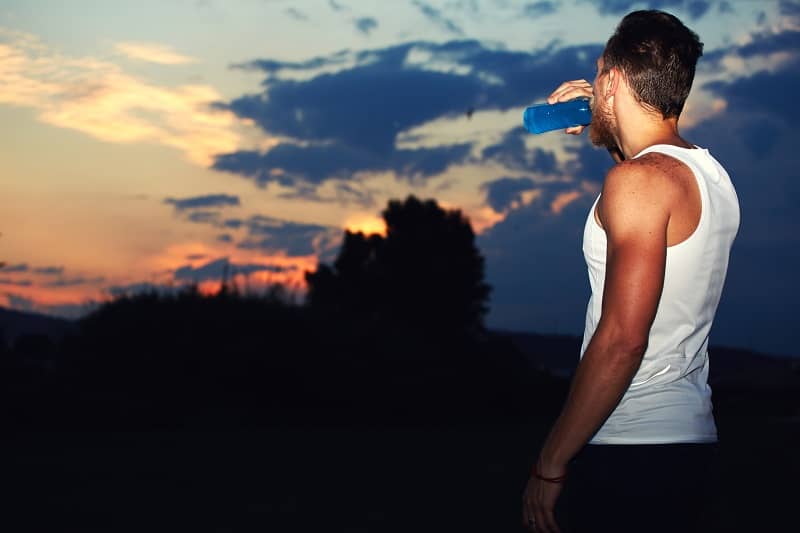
x: 16, y: 323
x: 729, y: 367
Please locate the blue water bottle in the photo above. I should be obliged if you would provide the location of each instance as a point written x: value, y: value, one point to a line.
x: 540, y: 118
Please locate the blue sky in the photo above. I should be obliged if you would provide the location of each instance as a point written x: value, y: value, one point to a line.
x: 152, y: 143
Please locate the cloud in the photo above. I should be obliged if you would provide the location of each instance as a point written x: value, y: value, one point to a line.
x: 366, y: 24
x: 338, y: 124
x: 16, y: 283
x: 539, y: 9
x: 761, y: 121
x: 296, y: 14
x: 198, y: 202
x: 21, y: 267
x: 513, y: 154
x: 436, y: 16
x: 725, y: 7
x: 100, y: 99
x: 503, y: 193
x: 294, y: 166
x: 790, y: 8
x: 291, y: 238
x: 336, y: 6
x: 49, y: 271
x: 73, y: 282
x: 152, y: 53
x: 223, y: 268
x: 695, y: 8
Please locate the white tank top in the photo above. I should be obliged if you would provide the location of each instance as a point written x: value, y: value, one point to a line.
x: 669, y: 399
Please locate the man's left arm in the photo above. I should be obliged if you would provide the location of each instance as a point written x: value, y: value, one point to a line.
x: 634, y: 214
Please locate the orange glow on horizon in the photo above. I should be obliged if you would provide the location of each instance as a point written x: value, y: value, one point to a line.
x: 366, y: 224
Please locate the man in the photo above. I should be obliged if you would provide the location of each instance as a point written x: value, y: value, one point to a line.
x: 656, y: 243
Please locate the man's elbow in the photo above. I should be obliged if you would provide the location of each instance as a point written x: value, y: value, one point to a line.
x: 623, y: 345
x: 630, y: 347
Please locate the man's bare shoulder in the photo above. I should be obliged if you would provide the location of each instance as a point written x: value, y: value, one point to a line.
x: 638, y: 188
x: 644, y: 178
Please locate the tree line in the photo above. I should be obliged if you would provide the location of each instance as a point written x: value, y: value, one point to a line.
x: 391, y: 332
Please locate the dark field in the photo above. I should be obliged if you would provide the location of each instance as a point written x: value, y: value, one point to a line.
x: 341, y: 479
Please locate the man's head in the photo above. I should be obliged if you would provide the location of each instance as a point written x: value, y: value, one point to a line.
x: 657, y: 54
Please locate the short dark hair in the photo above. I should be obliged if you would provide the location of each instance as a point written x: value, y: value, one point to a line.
x: 657, y: 54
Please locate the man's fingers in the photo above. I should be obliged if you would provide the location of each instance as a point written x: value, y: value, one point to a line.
x: 569, y: 90
x: 574, y: 130
x: 538, y: 517
x: 550, y: 522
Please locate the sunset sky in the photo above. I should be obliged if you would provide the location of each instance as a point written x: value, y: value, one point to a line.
x: 152, y: 143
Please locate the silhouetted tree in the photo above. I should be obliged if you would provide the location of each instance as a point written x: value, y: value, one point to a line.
x: 425, y: 273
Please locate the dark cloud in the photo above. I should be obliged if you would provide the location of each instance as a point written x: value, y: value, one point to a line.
x: 223, y: 268
x: 74, y: 282
x: 21, y: 267
x: 232, y: 223
x: 503, y: 192
x: 273, y: 235
x: 292, y: 165
x: 436, y: 16
x: 790, y: 8
x: 273, y: 67
x: 296, y: 14
x: 725, y: 7
x: 695, y: 8
x: 539, y: 9
x: 336, y: 6
x: 207, y: 201
x: 225, y: 237
x: 365, y: 24
x: 348, y: 121
x: 16, y: 282
x: 512, y: 153
x: 204, y: 217
x: 762, y: 121
x: 767, y: 43
x: 49, y: 271
x: 195, y: 257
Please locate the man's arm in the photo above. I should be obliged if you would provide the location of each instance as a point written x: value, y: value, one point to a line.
x: 634, y: 211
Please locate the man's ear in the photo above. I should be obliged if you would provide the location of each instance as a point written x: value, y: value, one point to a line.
x: 613, y: 80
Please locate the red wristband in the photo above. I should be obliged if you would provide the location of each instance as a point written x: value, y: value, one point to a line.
x: 557, y: 479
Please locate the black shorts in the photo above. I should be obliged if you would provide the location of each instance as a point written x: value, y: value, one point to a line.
x: 643, y: 487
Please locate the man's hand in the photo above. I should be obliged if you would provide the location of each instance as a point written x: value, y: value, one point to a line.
x: 569, y: 90
x: 538, y: 505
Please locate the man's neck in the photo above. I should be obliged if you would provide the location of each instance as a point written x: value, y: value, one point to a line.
x: 642, y: 131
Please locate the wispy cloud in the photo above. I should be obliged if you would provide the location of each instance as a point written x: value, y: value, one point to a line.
x: 153, y: 53
x: 296, y: 14
x: 436, y: 16
x: 100, y: 99
x: 539, y: 9
x: 209, y: 200
x: 365, y: 24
